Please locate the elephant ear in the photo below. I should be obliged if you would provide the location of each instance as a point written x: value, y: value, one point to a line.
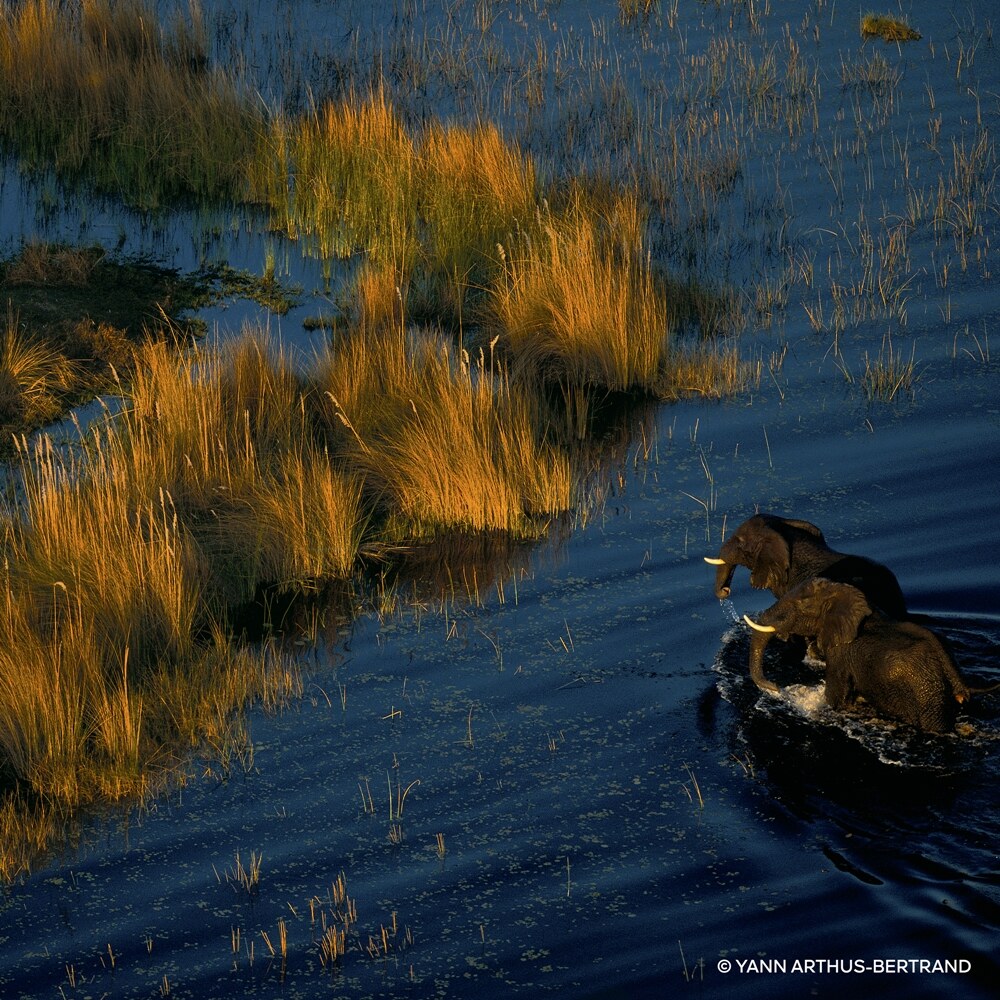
x: 844, y: 609
x: 807, y: 526
x: 769, y: 569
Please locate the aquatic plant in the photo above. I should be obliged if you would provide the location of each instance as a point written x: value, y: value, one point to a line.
x: 114, y: 99
x: 580, y: 304
x: 890, y: 374
x: 444, y: 442
x: 888, y: 28
x: 353, y: 166
x: 35, y: 378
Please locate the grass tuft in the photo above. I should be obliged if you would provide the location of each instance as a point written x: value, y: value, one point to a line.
x: 579, y: 303
x: 888, y: 28
x: 444, y: 442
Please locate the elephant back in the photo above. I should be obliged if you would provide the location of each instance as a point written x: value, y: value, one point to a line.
x: 877, y: 582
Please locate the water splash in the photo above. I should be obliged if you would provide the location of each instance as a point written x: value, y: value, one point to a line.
x: 890, y: 743
x: 729, y: 609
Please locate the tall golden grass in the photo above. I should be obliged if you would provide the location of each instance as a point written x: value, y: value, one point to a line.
x: 476, y: 191
x: 353, y: 166
x: 123, y: 558
x: 579, y: 303
x: 444, y: 442
x: 33, y: 375
x: 108, y: 95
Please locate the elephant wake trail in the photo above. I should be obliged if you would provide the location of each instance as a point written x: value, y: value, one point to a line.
x: 892, y: 744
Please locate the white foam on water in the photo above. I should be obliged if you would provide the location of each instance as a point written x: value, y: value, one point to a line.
x: 810, y: 701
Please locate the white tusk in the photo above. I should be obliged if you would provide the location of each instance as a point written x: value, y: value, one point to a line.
x: 759, y: 628
x: 714, y: 562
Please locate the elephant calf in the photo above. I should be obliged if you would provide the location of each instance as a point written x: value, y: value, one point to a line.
x: 782, y: 553
x: 902, y: 670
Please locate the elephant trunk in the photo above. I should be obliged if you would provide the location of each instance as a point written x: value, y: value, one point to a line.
x: 758, y: 643
x: 723, y: 576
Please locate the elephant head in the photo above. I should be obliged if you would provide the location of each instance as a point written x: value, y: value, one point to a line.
x: 764, y: 545
x: 829, y: 613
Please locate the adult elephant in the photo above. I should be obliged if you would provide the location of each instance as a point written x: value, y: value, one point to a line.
x: 902, y: 670
x: 782, y: 553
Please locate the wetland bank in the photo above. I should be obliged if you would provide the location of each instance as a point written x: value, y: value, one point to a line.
x: 516, y: 748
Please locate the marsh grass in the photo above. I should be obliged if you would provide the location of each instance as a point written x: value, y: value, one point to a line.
x: 475, y: 190
x: 122, y: 560
x: 451, y: 220
x: 353, y: 163
x: 130, y: 107
x: 53, y: 264
x: 579, y: 302
x: 125, y: 556
x: 631, y: 11
x: 444, y: 442
x: 35, y: 378
x: 890, y: 375
x: 888, y: 28
x: 225, y: 433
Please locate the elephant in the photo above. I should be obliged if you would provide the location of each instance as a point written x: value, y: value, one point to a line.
x: 902, y: 670
x: 782, y: 553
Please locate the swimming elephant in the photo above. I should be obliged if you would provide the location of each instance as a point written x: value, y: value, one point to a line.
x: 902, y: 670
x: 783, y: 552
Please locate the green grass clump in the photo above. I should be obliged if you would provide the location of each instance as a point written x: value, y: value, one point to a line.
x: 476, y: 189
x: 888, y: 28
x: 353, y: 165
